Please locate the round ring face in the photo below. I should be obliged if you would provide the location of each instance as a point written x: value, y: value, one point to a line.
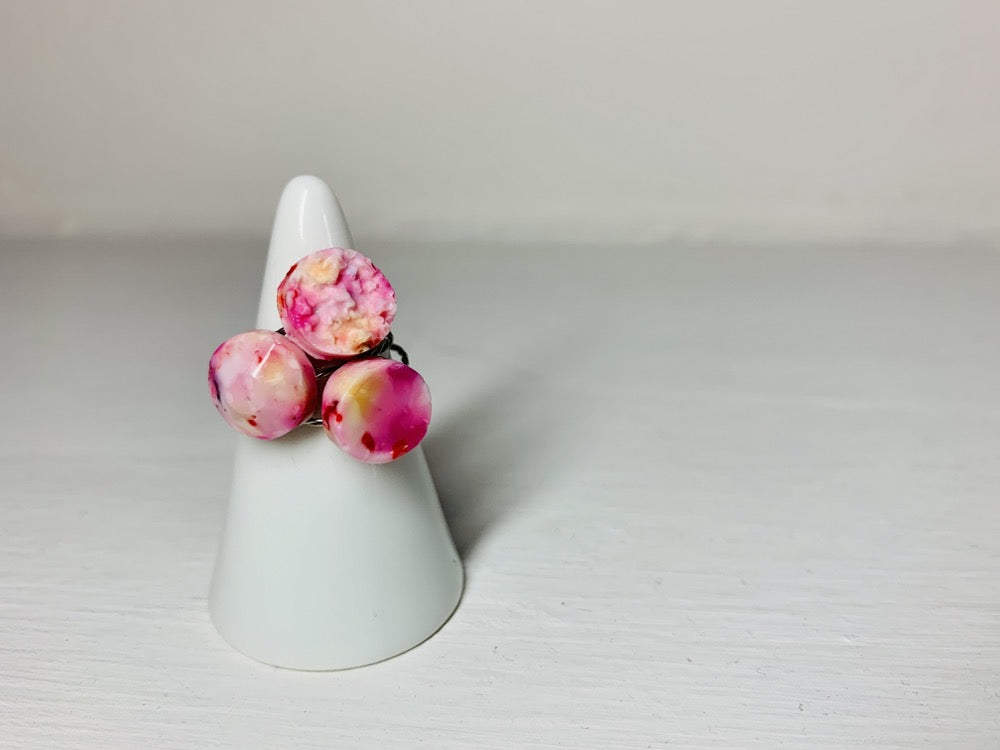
x: 335, y: 303
x: 376, y: 410
x: 262, y: 384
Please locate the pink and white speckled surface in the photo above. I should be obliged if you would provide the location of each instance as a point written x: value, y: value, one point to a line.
x: 336, y: 303
x: 376, y: 409
x: 262, y: 384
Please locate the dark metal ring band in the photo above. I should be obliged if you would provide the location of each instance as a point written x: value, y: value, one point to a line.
x: 385, y: 346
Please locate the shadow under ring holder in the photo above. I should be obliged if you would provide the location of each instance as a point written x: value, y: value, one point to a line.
x: 329, y: 558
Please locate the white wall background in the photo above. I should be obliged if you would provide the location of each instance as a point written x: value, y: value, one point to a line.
x: 596, y: 120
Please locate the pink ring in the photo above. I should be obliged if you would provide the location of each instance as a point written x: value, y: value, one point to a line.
x: 337, y: 307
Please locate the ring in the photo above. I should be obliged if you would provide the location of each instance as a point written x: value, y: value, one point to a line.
x: 336, y: 307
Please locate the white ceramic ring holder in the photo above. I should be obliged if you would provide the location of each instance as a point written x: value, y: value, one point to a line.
x: 326, y: 562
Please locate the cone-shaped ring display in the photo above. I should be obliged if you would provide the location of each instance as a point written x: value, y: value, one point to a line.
x: 326, y: 562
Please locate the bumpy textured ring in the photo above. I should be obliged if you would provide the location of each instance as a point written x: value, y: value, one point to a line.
x: 337, y: 309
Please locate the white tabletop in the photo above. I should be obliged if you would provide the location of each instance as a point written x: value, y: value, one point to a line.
x: 706, y: 497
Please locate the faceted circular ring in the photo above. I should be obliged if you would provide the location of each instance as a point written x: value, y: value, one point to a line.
x: 376, y: 409
x: 335, y: 303
x: 262, y: 384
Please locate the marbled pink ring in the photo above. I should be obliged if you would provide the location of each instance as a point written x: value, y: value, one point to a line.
x: 262, y: 384
x: 335, y: 303
x: 376, y: 409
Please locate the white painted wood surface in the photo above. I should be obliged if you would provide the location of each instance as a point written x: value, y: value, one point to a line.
x: 706, y: 497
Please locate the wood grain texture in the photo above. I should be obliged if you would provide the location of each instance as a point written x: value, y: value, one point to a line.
x: 706, y: 497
